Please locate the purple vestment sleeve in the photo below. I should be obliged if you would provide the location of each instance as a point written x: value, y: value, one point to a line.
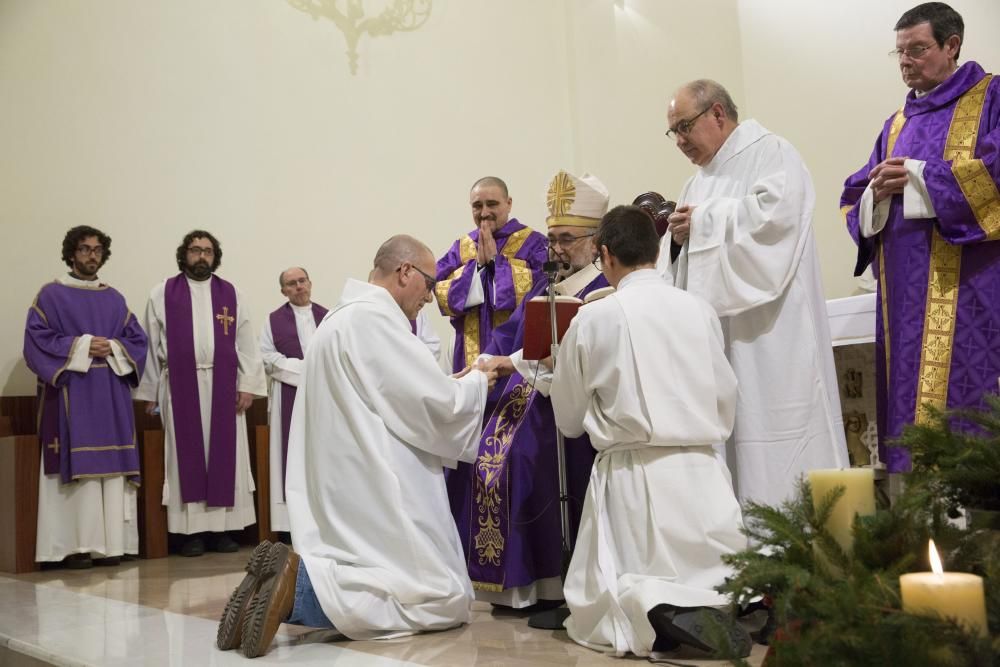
x: 455, y: 276
x: 46, y: 351
x: 133, y: 341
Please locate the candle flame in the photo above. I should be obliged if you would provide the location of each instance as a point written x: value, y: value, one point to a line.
x: 935, y: 559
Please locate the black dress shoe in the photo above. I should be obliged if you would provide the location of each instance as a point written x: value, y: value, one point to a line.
x: 223, y: 544
x: 193, y: 547
x: 707, y: 629
x: 78, y: 561
x: 109, y: 561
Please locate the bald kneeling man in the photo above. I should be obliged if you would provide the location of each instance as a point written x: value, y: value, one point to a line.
x: 375, y: 422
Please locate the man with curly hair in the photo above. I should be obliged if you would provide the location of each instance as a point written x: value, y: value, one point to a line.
x: 88, y: 351
x: 204, y: 369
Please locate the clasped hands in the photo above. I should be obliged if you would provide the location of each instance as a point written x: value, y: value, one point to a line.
x: 679, y: 223
x: 486, y: 249
x: 100, y: 347
x: 888, y: 178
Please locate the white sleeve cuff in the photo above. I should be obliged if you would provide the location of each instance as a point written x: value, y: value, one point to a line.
x: 871, y: 216
x: 476, y: 296
x: 79, y: 359
x: 119, y: 361
x: 535, y: 373
x: 916, y: 200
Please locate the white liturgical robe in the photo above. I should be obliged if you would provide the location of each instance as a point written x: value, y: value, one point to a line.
x: 281, y: 369
x: 375, y: 420
x: 752, y: 256
x: 643, y: 373
x: 190, y: 518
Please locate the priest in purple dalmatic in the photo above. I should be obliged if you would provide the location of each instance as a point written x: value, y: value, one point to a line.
x: 487, y: 273
x: 506, y: 503
x: 283, y: 343
x: 925, y: 212
x: 202, y: 373
x: 88, y: 351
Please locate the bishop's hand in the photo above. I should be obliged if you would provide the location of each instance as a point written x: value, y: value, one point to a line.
x: 502, y: 365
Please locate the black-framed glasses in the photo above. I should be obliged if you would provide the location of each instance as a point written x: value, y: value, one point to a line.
x: 95, y: 250
x: 429, y: 280
x: 598, y: 262
x: 567, y: 240
x: 205, y: 252
x: 913, y: 53
x: 683, y: 128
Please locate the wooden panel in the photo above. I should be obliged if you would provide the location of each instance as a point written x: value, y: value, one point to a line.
x: 152, y: 513
x: 20, y: 458
x: 262, y: 475
x: 22, y: 413
x: 5, y: 427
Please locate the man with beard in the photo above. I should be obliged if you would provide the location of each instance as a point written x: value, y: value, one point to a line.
x: 487, y: 273
x: 203, y: 372
x: 87, y: 350
x: 506, y: 503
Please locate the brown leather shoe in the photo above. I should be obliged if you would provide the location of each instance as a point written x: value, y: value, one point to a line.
x: 231, y: 625
x: 273, y: 602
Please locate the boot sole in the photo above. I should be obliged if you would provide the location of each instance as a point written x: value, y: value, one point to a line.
x: 229, y: 636
x: 255, y: 643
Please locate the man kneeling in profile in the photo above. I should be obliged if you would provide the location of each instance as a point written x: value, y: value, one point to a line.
x: 644, y: 374
x: 374, y: 422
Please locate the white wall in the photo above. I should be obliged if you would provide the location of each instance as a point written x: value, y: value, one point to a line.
x: 148, y: 119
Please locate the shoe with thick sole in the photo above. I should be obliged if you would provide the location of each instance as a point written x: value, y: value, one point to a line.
x: 273, y: 602
x: 707, y: 629
x: 230, y: 633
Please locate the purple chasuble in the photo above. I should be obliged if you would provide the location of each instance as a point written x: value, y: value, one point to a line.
x: 938, y: 322
x: 506, y: 504
x: 185, y: 400
x: 517, y: 268
x: 85, y: 423
x: 286, y: 341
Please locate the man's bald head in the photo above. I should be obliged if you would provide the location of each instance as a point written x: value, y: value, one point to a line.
x: 700, y: 118
x: 398, y: 249
x: 707, y: 92
x: 405, y: 267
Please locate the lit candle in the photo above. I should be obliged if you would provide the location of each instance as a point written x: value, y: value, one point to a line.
x: 954, y: 595
x: 858, y: 498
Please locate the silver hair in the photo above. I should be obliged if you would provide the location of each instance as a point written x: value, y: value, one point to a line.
x: 707, y: 92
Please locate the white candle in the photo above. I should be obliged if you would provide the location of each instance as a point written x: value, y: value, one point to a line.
x: 858, y: 498
x: 954, y: 595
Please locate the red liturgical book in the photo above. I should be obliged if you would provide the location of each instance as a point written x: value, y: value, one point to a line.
x: 537, y: 342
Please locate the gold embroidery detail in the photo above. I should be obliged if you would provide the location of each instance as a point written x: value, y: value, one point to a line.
x: 939, y: 326
x: 844, y: 210
x: 561, y: 194
x: 981, y: 192
x: 107, y: 448
x: 467, y: 252
x: 897, y: 126
x: 489, y: 541
x: 484, y: 586
x: 945, y: 268
x: 226, y: 319
x: 964, y: 128
x: 471, y: 335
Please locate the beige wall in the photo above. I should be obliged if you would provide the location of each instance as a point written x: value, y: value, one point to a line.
x: 148, y: 119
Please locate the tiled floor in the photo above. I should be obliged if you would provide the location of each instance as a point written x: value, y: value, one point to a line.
x: 164, y: 612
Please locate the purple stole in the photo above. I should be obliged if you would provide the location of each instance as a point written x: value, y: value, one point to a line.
x: 186, y: 403
x: 286, y: 341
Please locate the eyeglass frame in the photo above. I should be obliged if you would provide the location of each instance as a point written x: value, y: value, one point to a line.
x: 568, y: 240
x: 684, y: 127
x: 429, y: 281
x: 598, y: 262
x: 201, y: 252
x: 899, y: 53
x: 96, y: 251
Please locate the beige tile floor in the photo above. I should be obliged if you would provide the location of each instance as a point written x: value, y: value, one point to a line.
x: 189, y: 589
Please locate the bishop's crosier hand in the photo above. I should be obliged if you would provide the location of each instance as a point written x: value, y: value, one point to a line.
x: 679, y: 224
x: 486, y: 249
x: 888, y: 178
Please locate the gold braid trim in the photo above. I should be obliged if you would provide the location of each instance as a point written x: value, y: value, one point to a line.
x: 981, y: 192
x: 945, y: 268
x: 471, y: 336
x: 894, y: 129
x: 467, y: 251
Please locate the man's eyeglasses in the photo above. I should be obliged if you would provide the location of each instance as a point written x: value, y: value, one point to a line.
x: 683, y: 128
x: 913, y: 53
x: 429, y: 280
x: 196, y: 251
x: 95, y: 250
x: 567, y: 240
x: 598, y: 262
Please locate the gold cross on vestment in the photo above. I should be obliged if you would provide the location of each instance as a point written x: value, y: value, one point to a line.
x: 226, y: 320
x: 54, y: 445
